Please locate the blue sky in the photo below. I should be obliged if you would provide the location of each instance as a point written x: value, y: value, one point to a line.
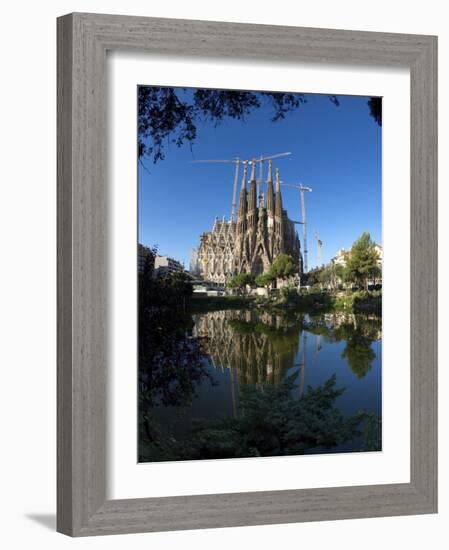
x: 335, y: 150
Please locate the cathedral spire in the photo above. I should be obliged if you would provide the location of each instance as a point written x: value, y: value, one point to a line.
x: 270, y: 171
x: 241, y: 212
x: 270, y: 194
x: 252, y: 196
x: 278, y: 198
x: 253, y: 170
x: 279, y: 217
x: 245, y: 169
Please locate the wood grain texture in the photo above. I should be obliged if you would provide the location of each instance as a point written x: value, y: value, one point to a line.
x: 64, y: 277
x: 83, y: 40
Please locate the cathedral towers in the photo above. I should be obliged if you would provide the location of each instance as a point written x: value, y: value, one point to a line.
x: 261, y: 232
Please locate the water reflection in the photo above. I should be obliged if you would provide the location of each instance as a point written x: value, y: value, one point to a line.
x: 357, y: 331
x: 267, y: 384
x: 260, y: 347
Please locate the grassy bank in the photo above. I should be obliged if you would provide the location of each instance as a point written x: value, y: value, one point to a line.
x: 291, y: 299
x: 356, y: 302
x: 215, y: 303
x: 359, y: 302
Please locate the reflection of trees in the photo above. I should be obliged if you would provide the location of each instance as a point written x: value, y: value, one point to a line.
x: 358, y: 331
x: 359, y: 354
x: 359, y: 336
x: 337, y: 326
x: 261, y: 347
x: 274, y: 423
x: 171, y: 360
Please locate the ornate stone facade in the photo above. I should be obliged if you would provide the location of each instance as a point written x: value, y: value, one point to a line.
x: 251, y: 243
x: 215, y: 259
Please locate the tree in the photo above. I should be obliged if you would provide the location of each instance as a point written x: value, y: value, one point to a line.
x: 375, y: 108
x: 274, y: 423
x: 324, y: 277
x: 330, y: 275
x: 312, y: 277
x: 148, y: 268
x: 337, y: 271
x: 231, y: 283
x: 171, y: 360
x: 283, y: 267
x: 376, y: 273
x: 241, y: 281
x: 170, y: 115
x: 265, y: 279
x: 363, y: 261
x: 181, y: 284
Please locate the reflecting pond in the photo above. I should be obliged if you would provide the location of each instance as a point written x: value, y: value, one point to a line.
x: 262, y: 351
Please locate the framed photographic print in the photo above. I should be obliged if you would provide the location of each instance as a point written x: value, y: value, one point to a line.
x: 246, y: 274
x: 229, y: 315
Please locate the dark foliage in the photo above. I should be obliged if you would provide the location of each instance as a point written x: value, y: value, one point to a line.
x: 375, y: 109
x: 171, y: 360
x: 163, y: 114
x: 372, y: 432
x: 359, y: 353
x: 272, y: 423
x: 358, y: 336
x: 170, y: 115
x: 312, y: 277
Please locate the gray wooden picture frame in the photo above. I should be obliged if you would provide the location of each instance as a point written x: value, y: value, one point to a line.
x: 83, y: 40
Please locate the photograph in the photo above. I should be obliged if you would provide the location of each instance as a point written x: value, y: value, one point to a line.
x: 259, y: 268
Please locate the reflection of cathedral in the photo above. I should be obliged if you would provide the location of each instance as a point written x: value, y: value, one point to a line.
x: 257, y: 346
x: 251, y: 243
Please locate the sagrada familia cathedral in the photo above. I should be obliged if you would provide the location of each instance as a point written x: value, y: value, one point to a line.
x: 250, y: 243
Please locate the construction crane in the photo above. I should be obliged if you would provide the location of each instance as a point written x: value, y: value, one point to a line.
x: 261, y: 160
x: 302, y: 364
x: 237, y: 161
x: 317, y: 344
x: 302, y: 189
x: 319, y: 244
